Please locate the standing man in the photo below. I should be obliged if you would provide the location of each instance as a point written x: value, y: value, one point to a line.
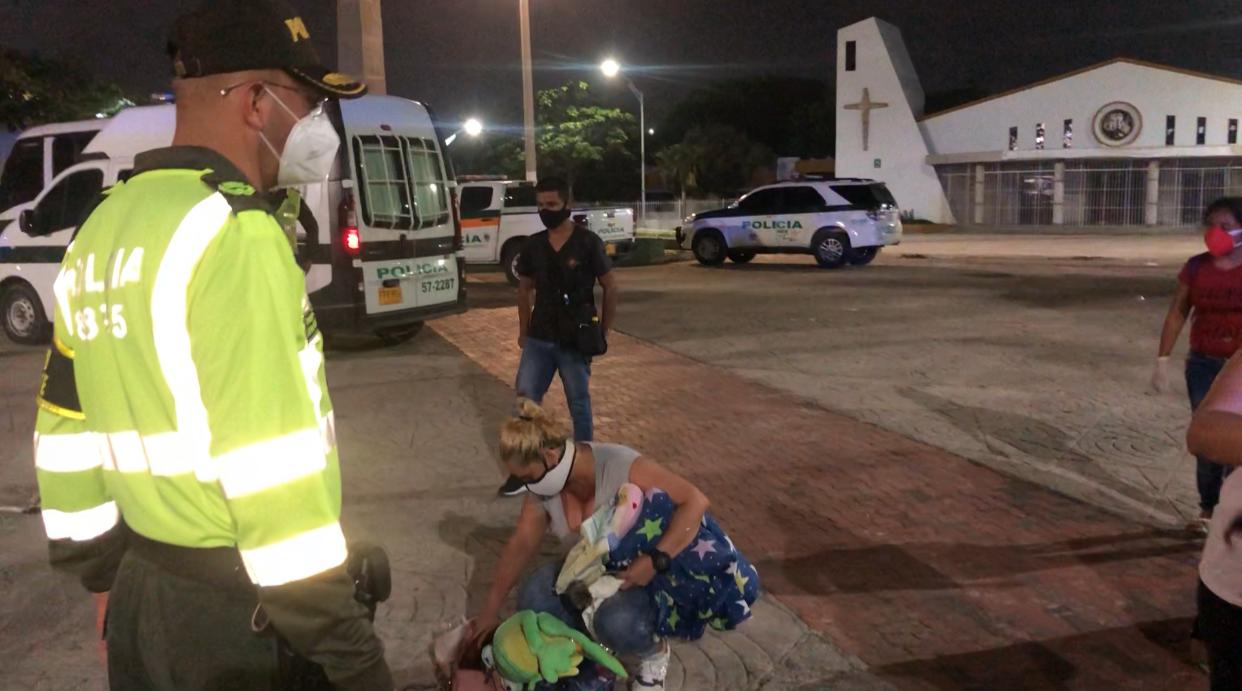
x: 185, y: 449
x: 561, y: 265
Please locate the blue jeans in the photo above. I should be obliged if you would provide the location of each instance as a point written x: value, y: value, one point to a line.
x: 541, y: 360
x: 1201, y: 371
x: 625, y: 623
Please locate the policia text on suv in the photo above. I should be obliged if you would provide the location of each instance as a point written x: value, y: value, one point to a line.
x: 185, y: 448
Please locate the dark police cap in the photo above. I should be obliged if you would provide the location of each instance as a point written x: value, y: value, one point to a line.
x: 224, y: 36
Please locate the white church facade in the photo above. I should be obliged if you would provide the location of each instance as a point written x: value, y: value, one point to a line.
x: 1122, y: 143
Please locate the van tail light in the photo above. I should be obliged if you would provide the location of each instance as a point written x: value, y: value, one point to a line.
x: 457, y: 238
x: 347, y: 220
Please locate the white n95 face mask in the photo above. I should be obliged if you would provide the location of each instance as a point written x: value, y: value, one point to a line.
x: 309, y: 150
x: 554, y: 479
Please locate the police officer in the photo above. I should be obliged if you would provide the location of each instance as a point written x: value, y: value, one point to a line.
x: 184, y: 446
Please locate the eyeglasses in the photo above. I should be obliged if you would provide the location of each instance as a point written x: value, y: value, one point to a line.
x: 315, y: 100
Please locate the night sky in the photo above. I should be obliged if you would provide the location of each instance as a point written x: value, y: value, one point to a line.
x: 461, y: 56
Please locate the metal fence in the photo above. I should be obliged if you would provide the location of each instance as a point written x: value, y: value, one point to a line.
x: 665, y: 215
x: 958, y: 188
x: 1189, y: 185
x: 1094, y: 193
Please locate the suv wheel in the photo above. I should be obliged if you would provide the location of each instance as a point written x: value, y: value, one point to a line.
x: 709, y: 248
x: 22, y: 311
x: 831, y: 248
x: 863, y: 256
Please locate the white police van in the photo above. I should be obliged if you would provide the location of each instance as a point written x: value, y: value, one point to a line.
x: 380, y: 239
x: 497, y: 216
x: 838, y: 220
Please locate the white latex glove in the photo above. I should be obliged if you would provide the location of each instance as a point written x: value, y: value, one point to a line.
x: 1160, y: 376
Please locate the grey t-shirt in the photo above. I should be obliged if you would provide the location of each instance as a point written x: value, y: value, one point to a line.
x: 612, y: 469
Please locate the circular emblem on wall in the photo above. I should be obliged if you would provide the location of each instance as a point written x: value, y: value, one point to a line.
x: 1117, y: 124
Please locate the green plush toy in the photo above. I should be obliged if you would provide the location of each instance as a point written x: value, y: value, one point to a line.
x: 531, y: 647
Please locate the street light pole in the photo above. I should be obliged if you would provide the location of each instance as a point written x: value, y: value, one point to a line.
x: 528, y: 90
x: 612, y: 68
x: 642, y: 150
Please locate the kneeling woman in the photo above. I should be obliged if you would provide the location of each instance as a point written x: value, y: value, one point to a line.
x: 566, y: 481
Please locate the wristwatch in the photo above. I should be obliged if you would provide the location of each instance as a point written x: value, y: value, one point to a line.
x: 659, y: 560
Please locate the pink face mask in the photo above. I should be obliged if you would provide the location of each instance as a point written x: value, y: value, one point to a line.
x: 1220, y: 241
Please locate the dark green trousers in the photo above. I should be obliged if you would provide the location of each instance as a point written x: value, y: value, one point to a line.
x: 175, y: 629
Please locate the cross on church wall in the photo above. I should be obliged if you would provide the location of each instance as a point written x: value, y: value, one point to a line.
x: 864, y: 107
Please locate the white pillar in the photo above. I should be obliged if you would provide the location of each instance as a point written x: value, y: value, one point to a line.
x: 978, y: 213
x: 528, y: 91
x: 1058, y: 193
x: 360, y: 42
x: 1152, y: 215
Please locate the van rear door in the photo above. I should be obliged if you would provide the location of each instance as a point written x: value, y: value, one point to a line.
x: 407, y: 232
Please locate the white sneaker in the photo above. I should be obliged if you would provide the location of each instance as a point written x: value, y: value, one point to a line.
x: 652, y: 669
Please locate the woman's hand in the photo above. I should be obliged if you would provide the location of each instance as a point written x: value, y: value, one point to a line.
x: 639, y: 574
x: 481, y: 628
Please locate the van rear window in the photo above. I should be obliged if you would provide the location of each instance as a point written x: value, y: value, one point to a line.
x: 402, y: 182
x: 866, y: 196
x: 519, y: 196
x: 475, y: 199
x: 23, y: 173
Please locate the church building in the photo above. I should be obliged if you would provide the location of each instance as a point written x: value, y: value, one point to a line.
x: 1120, y: 143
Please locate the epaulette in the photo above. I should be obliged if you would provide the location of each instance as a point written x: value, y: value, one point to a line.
x: 240, y: 195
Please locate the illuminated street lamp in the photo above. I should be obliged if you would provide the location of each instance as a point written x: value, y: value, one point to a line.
x: 611, y: 68
x: 471, y: 127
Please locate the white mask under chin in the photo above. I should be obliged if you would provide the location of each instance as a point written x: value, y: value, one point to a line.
x: 310, y: 148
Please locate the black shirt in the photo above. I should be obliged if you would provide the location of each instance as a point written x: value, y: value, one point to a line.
x: 581, y: 261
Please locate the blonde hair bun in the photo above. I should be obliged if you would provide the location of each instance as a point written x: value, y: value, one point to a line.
x: 526, y: 434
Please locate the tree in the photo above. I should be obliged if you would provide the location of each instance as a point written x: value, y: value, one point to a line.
x: 489, y: 154
x: 714, y: 159
x: 35, y: 90
x: 792, y: 117
x: 574, y: 131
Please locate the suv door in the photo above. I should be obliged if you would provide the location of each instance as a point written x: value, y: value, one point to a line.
x: 753, y: 227
x: 799, y: 216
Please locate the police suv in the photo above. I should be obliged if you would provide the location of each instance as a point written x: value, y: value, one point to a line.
x: 838, y: 220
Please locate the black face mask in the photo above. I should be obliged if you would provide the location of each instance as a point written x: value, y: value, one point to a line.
x: 552, y: 219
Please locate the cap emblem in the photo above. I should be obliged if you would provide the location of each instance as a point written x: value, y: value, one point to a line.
x: 297, y: 29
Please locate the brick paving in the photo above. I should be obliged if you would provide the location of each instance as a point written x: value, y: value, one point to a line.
x: 934, y: 571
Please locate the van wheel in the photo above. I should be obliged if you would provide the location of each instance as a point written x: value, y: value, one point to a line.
x: 831, y: 248
x: 862, y: 256
x: 740, y: 256
x: 509, y: 258
x: 396, y: 335
x: 709, y: 248
x: 24, y: 321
